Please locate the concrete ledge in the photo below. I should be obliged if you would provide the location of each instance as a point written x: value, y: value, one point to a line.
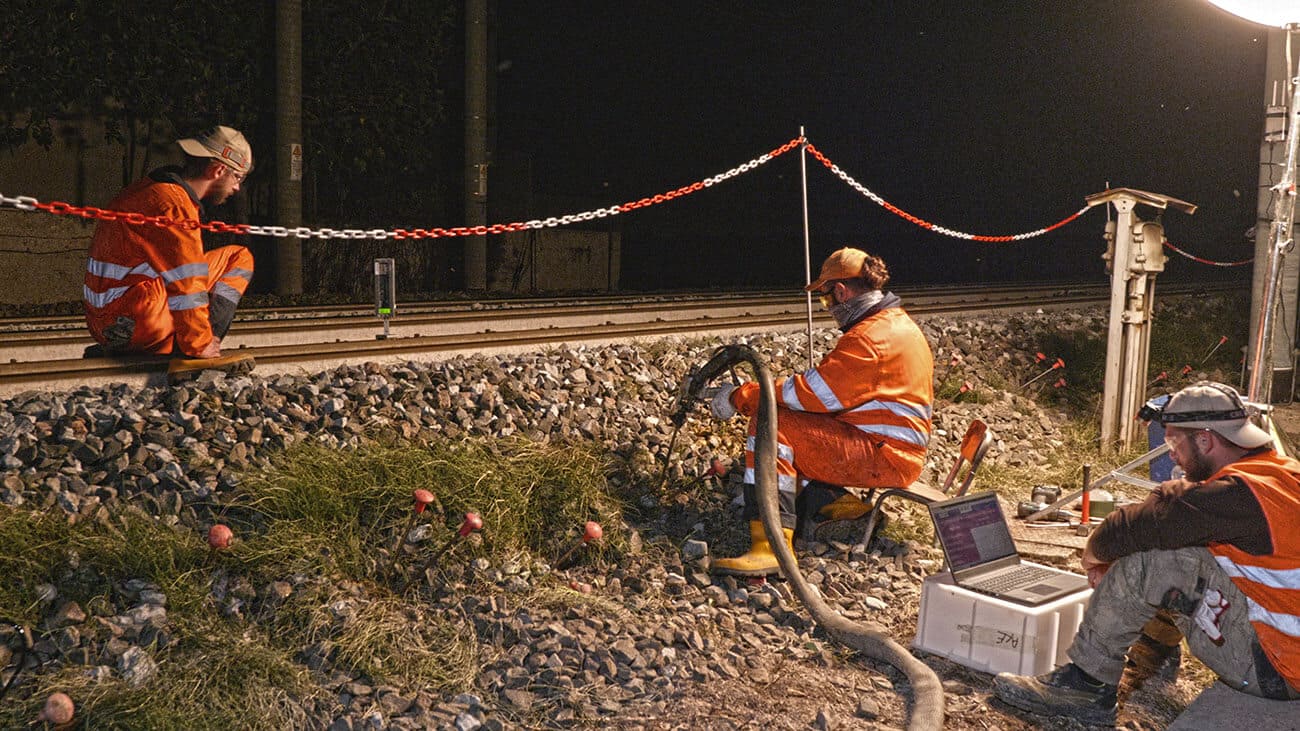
x: 1220, y: 707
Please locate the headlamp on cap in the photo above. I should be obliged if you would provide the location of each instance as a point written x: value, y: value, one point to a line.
x: 1154, y: 410
x: 1151, y: 410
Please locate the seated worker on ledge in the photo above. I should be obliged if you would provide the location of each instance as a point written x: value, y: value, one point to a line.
x: 860, y: 418
x: 152, y: 289
x: 1219, y: 550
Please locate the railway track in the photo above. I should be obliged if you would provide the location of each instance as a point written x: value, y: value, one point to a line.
x: 45, y: 353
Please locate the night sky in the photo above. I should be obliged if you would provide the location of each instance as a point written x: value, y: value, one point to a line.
x: 993, y: 118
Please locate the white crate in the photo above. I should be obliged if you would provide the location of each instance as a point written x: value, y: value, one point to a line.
x: 993, y: 635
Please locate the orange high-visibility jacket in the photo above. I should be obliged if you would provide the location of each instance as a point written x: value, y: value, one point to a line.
x: 879, y: 378
x: 1271, y: 583
x: 125, y: 255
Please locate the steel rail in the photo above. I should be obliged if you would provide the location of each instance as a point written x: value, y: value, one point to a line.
x: 64, y: 343
x: 18, y: 325
x: 70, y: 373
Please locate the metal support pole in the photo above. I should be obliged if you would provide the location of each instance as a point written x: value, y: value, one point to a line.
x: 807, y: 256
x: 1135, y: 250
x: 1113, y: 384
x: 476, y: 163
x: 288, y: 143
x: 1261, y: 369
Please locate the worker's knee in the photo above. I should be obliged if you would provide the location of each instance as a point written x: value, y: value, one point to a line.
x: 1170, y: 579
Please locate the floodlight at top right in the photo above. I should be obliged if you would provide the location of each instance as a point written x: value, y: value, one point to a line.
x: 1273, y: 13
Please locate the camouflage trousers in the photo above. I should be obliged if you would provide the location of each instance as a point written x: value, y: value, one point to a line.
x: 1139, y: 585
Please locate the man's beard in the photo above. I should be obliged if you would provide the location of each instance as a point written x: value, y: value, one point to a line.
x: 1199, y: 468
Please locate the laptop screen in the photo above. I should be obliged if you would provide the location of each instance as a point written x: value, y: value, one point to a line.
x: 973, y: 530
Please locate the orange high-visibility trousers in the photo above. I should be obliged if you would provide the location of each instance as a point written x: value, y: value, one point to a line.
x: 140, y: 321
x: 823, y: 448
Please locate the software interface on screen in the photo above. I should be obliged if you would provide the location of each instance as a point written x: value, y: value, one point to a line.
x: 974, y: 532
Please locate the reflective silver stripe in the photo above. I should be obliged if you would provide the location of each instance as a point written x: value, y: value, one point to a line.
x: 245, y: 274
x: 784, y: 483
x: 221, y: 289
x: 788, y: 396
x: 117, y: 271
x: 822, y: 390
x: 897, y: 408
x: 783, y: 451
x: 185, y: 271
x: 901, y: 433
x: 187, y: 301
x: 1287, y: 624
x: 817, y: 385
x: 1275, y: 578
x: 101, y: 299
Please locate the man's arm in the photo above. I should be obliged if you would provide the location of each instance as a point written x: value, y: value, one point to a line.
x: 177, y: 255
x: 1178, y: 514
x: 818, y: 389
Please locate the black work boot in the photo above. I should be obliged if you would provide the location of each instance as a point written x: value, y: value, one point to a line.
x: 1066, y: 691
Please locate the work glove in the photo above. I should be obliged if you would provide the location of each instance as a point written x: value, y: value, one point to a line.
x: 720, y: 400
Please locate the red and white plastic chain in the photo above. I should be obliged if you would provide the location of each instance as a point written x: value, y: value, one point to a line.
x: 1199, y: 260
x: 926, y: 224
x: 27, y: 203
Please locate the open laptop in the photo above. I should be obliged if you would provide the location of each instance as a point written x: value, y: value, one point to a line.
x: 982, y: 556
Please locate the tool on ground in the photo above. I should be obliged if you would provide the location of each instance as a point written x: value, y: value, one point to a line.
x: 1085, y: 504
x: 422, y: 500
x: 1222, y: 339
x: 1159, y: 377
x: 1026, y: 508
x: 590, y: 532
x: 1058, y: 363
x: 1045, y: 493
x: 1119, y: 474
x: 471, y: 523
x: 688, y: 395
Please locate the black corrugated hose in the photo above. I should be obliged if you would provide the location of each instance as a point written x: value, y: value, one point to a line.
x: 869, y: 639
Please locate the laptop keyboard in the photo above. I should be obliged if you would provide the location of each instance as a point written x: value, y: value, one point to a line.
x: 1012, y: 579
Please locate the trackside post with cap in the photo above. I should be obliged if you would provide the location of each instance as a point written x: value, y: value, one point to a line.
x: 1134, y: 255
x: 385, y: 293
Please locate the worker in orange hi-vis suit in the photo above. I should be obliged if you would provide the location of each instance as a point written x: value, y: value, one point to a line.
x: 860, y: 418
x: 152, y: 289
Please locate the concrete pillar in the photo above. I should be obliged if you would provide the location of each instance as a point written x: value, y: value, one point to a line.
x: 288, y: 143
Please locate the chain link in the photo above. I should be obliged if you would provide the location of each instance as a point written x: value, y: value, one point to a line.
x: 27, y: 203
x: 1200, y: 260
x: 835, y: 169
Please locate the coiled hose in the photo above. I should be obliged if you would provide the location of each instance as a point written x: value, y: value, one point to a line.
x: 869, y: 639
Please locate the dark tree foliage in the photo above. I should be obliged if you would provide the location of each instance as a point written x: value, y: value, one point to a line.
x: 374, y: 112
x: 374, y: 123
x: 139, y: 68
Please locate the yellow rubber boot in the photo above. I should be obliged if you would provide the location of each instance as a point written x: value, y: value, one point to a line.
x: 845, y: 507
x: 759, y: 561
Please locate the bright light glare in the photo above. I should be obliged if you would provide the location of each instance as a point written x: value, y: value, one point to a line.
x: 1274, y: 13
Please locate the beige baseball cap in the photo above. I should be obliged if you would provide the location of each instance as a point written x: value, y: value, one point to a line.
x: 223, y: 143
x: 846, y: 263
x: 1214, y: 406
